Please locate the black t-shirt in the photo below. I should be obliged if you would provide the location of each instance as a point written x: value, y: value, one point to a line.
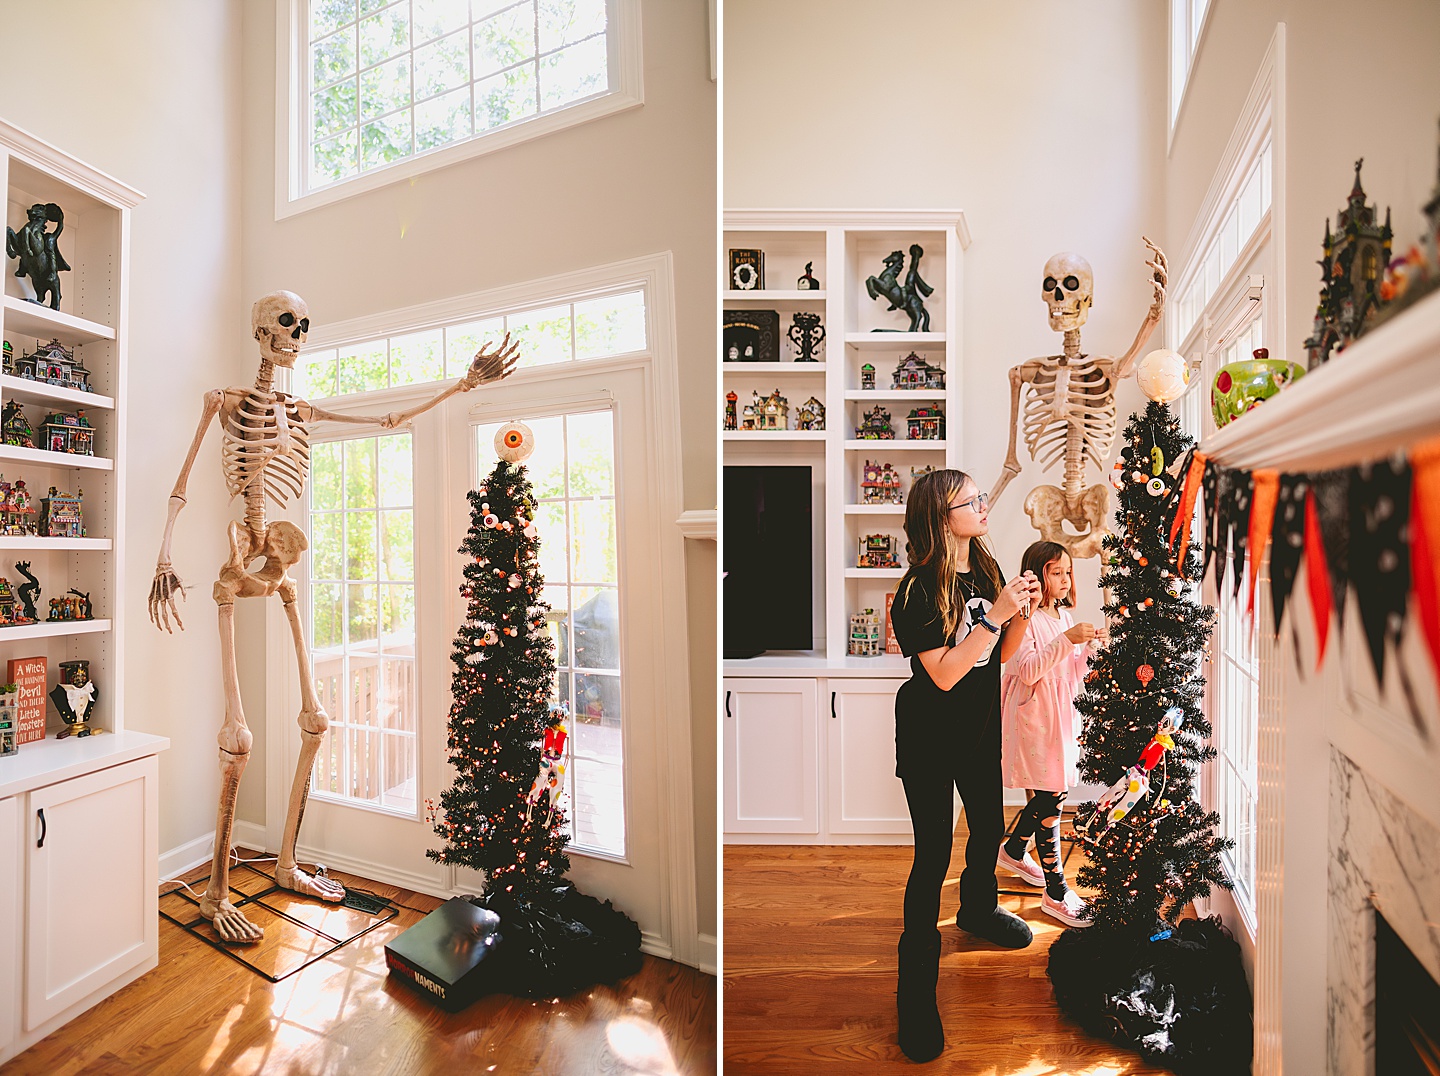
x: 930, y: 724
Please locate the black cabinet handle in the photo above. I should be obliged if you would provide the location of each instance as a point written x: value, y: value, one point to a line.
x: 832, y: 706
x: 41, y: 842
x: 727, y: 704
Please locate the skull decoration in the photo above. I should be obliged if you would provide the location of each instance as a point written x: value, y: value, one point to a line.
x: 1069, y: 288
x: 280, y: 321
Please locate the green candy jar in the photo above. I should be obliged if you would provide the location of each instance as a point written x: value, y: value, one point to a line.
x: 1239, y: 386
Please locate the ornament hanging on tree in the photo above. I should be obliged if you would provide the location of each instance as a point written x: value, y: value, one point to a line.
x: 1145, y: 673
x: 552, y: 766
x: 514, y: 442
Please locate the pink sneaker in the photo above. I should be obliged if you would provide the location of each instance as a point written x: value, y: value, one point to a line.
x: 1072, y: 911
x: 1025, y: 868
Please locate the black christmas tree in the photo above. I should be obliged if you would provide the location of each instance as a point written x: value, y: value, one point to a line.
x: 1171, y: 987
x: 502, y: 685
x: 507, y: 746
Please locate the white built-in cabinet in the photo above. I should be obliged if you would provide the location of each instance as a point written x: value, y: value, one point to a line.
x: 809, y: 738
x: 811, y: 760
x: 79, y: 832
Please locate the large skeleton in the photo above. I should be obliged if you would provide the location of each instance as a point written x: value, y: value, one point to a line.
x: 266, y: 453
x: 1070, y: 409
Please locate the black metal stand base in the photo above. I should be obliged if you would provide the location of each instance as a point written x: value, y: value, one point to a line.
x: 197, y: 925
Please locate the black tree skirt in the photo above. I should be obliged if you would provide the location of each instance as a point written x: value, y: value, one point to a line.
x: 1181, y: 1001
x: 557, y: 941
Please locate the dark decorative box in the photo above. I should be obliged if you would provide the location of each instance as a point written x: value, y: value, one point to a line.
x: 449, y: 955
x: 752, y: 335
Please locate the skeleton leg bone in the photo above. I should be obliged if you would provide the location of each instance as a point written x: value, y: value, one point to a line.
x: 283, y: 544
x: 235, y: 739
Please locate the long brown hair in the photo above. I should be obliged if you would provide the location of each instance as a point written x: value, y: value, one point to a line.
x: 930, y: 548
x: 1040, y: 556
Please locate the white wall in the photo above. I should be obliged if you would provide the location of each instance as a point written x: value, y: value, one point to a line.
x: 1042, y: 126
x: 150, y: 93
x: 636, y: 183
x: 1358, y: 83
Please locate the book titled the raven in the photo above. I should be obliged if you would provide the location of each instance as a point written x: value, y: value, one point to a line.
x: 450, y: 954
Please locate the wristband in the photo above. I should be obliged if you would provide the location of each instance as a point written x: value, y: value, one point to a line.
x: 989, y: 625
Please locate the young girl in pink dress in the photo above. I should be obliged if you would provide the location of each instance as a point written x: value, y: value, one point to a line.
x: 1039, y: 728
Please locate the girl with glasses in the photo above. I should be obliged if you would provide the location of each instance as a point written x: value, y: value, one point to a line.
x: 1041, y: 728
x: 951, y: 610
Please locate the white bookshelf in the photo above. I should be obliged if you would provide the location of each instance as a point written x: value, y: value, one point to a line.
x: 92, y: 319
x: 846, y: 247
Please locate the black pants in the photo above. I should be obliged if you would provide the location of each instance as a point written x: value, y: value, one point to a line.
x: 975, y: 771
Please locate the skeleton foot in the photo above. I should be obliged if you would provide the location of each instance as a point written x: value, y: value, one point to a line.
x: 311, y: 885
x: 229, y: 922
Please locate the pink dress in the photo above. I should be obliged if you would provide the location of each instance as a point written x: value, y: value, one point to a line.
x: 1039, y: 727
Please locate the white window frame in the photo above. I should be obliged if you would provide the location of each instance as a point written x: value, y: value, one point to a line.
x: 292, y: 109
x: 1188, y: 20
x: 1251, y: 287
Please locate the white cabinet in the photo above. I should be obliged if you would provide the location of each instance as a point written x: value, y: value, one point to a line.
x: 771, y: 756
x: 10, y: 920
x: 92, y: 847
x: 79, y: 878
x: 864, y: 796
x: 811, y: 760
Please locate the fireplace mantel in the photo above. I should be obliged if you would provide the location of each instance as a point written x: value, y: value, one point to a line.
x: 1337, y: 756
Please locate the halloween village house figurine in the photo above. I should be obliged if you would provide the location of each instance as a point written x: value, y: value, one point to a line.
x: 880, y: 485
x: 265, y: 454
x: 1351, y: 274
x: 53, y: 363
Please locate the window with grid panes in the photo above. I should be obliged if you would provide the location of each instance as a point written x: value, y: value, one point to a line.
x: 385, y: 82
x: 362, y: 583
x: 362, y: 617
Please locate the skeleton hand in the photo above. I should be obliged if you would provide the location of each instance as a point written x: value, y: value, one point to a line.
x: 162, y: 597
x: 1160, y: 276
x: 488, y: 366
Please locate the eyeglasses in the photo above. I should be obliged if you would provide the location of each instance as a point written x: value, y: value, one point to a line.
x: 980, y: 501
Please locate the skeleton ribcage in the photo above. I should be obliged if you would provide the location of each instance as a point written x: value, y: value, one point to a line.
x: 266, y: 446
x: 1087, y: 401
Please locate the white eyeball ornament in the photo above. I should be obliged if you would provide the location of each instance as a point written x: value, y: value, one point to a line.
x: 514, y: 442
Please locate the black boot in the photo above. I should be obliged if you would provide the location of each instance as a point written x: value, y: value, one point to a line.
x: 921, y: 1036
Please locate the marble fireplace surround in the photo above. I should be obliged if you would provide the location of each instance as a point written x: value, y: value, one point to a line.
x: 1382, y: 855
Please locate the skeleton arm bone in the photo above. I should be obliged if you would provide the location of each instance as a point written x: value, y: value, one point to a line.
x: 1024, y: 374
x: 1159, y: 269
x: 167, y: 584
x: 485, y: 367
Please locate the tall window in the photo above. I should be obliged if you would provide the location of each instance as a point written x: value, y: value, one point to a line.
x: 362, y: 609
x: 573, y: 471
x: 1187, y: 20
x: 588, y: 328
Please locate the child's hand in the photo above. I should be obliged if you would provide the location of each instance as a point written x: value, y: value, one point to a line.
x: 1081, y: 633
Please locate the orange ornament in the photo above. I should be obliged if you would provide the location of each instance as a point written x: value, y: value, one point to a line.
x: 1145, y: 674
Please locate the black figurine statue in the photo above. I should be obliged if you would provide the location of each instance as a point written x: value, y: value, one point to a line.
x: 806, y: 333
x: 27, y: 592
x: 40, y: 257
x: 808, y: 281
x: 909, y: 296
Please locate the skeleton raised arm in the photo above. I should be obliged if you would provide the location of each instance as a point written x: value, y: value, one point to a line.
x: 487, y: 366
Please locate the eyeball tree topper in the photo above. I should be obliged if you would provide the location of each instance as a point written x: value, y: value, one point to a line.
x: 265, y: 456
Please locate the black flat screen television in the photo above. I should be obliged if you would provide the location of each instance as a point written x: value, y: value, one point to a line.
x: 766, y: 574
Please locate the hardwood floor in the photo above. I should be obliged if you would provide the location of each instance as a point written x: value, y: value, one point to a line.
x: 809, y: 972
x: 201, y: 1012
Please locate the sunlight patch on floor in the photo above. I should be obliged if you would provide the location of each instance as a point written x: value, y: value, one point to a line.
x: 640, y: 1047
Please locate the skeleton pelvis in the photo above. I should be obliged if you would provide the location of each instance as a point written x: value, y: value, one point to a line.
x: 1049, y: 510
x: 280, y: 545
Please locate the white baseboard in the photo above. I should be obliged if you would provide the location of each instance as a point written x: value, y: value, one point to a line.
x: 186, y: 857
x: 709, y: 954
x: 429, y: 884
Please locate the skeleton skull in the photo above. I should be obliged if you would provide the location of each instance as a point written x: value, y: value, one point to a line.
x: 280, y: 321
x: 1069, y: 288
